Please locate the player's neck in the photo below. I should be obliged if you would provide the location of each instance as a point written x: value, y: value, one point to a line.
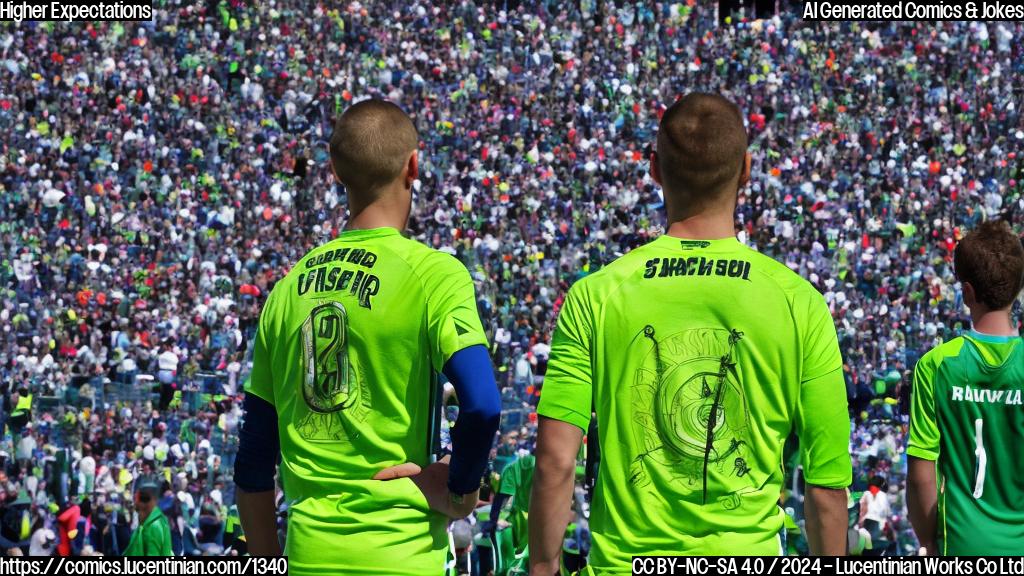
x: 704, y: 226
x: 389, y: 211
x: 993, y: 322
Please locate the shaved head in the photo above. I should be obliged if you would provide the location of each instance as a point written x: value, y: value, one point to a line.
x: 371, y: 145
x: 702, y: 146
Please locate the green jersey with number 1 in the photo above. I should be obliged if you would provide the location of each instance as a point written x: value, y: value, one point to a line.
x: 346, y: 350
x: 967, y: 413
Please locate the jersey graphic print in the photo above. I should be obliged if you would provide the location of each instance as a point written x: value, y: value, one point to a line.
x: 329, y: 383
x: 690, y: 412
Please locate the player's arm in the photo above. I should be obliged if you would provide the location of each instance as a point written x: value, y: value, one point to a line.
x: 825, y: 511
x: 824, y: 431
x: 823, y: 426
x: 470, y: 372
x: 550, y: 502
x: 922, y: 501
x: 254, y: 476
x: 922, y: 452
x: 459, y: 350
x: 259, y: 449
x: 564, y: 410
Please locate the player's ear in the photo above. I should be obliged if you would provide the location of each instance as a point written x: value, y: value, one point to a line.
x: 412, y: 169
x: 970, y: 297
x: 745, y: 171
x: 655, y: 170
x: 334, y: 172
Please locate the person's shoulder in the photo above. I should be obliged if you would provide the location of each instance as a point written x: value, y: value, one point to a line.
x: 428, y: 264
x: 436, y: 271
x: 434, y: 261
x: 949, y: 349
x: 780, y: 274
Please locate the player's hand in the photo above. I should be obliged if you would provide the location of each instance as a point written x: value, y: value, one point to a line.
x: 462, y: 506
x: 405, y: 470
x: 433, y: 483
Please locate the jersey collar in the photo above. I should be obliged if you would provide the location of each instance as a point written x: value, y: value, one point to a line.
x: 990, y: 338
x: 701, y: 244
x: 368, y: 233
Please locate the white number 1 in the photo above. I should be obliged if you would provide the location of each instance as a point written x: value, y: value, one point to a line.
x: 979, y: 452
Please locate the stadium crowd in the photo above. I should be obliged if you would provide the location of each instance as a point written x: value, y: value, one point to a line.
x: 158, y: 177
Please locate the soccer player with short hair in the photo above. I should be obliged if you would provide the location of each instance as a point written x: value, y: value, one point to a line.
x: 700, y: 356
x: 346, y: 351
x: 965, y: 483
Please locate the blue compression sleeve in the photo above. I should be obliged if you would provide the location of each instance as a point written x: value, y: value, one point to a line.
x: 259, y: 446
x: 470, y: 372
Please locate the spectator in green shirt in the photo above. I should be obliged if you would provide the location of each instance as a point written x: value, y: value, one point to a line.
x: 153, y: 536
x: 516, y: 483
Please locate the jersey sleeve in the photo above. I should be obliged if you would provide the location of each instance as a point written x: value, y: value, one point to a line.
x: 924, y: 431
x: 823, y: 426
x: 820, y: 344
x: 823, y: 420
x: 261, y: 382
x: 568, y: 385
x: 453, y: 322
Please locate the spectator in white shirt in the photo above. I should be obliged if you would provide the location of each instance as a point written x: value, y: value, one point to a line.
x: 42, y: 542
x: 874, y: 509
x: 167, y: 362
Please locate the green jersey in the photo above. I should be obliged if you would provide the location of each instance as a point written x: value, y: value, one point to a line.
x: 517, y: 482
x: 347, y: 349
x: 967, y: 414
x: 700, y: 358
x: 152, y: 537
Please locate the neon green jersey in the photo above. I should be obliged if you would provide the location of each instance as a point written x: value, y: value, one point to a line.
x: 346, y: 350
x: 700, y: 357
x: 967, y: 413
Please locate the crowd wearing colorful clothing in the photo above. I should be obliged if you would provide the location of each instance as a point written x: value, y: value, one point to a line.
x: 157, y: 178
